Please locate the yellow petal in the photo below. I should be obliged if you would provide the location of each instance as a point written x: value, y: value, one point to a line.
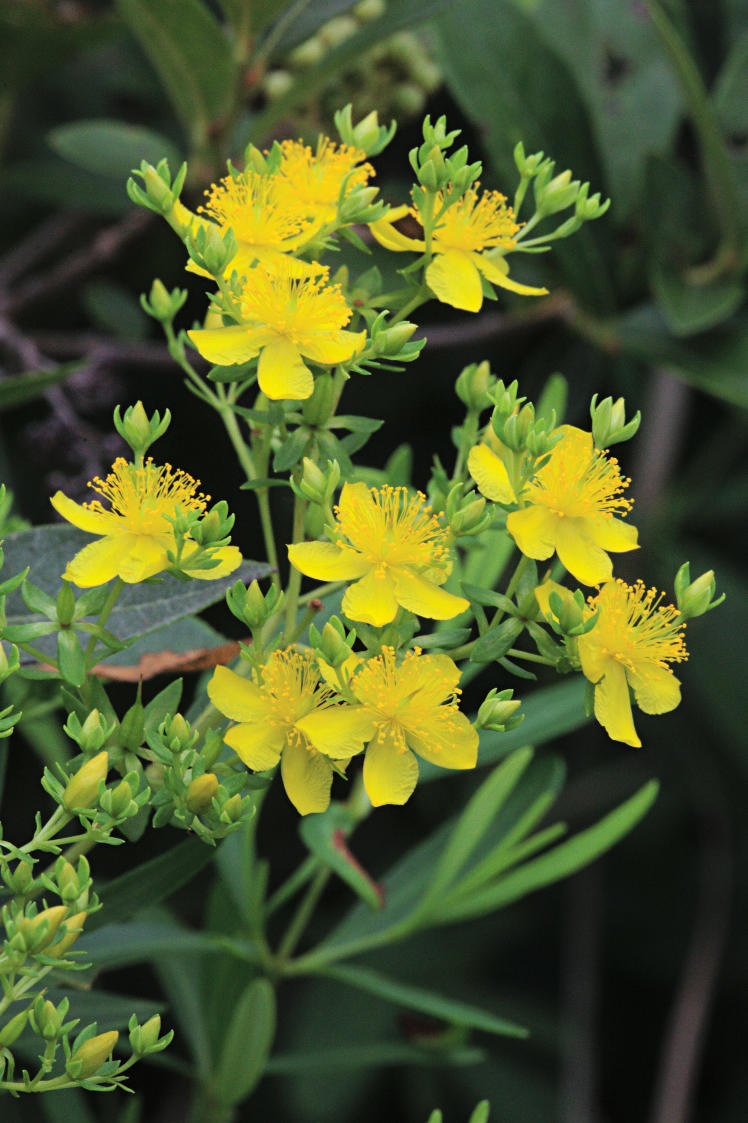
x: 307, y: 778
x: 385, y: 233
x: 225, y: 346
x: 543, y: 595
x: 372, y: 600
x: 613, y: 534
x: 489, y: 472
x: 335, y: 347
x: 533, y: 529
x: 235, y: 696
x: 579, y: 554
x: 454, y: 279
x: 257, y: 745
x: 338, y: 731
x: 390, y: 775
x: 448, y: 740
x: 496, y: 270
x: 229, y: 558
x: 656, y: 688
x: 98, y: 562
x: 145, y: 558
x: 595, y: 661
x: 93, y: 522
x: 432, y: 677
x: 417, y: 595
x: 281, y: 373
x: 613, y: 706
x: 324, y: 561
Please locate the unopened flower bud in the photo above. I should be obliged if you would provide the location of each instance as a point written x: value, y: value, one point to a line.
x: 251, y: 605
x: 473, y: 384
x: 200, y: 793
x: 337, y: 30
x: 40, y: 930
x: 527, y: 165
x: 118, y: 801
x: 48, y: 1019
x: 307, y: 54
x: 82, y: 790
x: 471, y: 519
x: 137, y: 428
x: 333, y: 643
x: 556, y: 195
x: 499, y: 711
x: 277, y: 83
x: 91, y: 1055
x: 368, y: 135
x: 73, y: 928
x: 317, y: 485
x: 90, y: 736
x: 65, y: 605
x: 694, y: 598
x: 8, y: 666
x: 143, y: 1038
x: 13, y: 1029
x: 233, y: 809
x: 177, y: 733
x: 609, y: 425
x: 318, y: 408
x: 19, y: 879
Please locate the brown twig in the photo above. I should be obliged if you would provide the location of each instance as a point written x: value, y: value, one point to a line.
x: 39, y: 243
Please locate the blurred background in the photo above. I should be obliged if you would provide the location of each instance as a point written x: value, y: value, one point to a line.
x: 631, y: 976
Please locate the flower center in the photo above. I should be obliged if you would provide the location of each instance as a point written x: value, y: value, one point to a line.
x: 404, y: 698
x: 249, y: 204
x: 313, y: 181
x: 579, y: 482
x: 145, y: 498
x: 476, y: 223
x: 389, y: 528
x: 634, y: 627
x: 291, y: 685
x: 294, y: 307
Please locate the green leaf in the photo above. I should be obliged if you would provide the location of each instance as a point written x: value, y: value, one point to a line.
x: 247, y: 1044
x: 496, y: 642
x: 17, y: 389
x: 378, y: 1055
x: 111, y: 148
x: 425, y: 1001
x: 141, y: 609
x: 325, y: 836
x: 179, y: 637
x: 150, y: 882
x: 472, y: 825
x: 166, y: 702
x: 291, y: 451
x: 558, y: 863
x: 192, y: 56
x: 690, y: 308
x: 70, y: 658
x: 480, y: 1113
x: 120, y: 945
x: 715, y: 362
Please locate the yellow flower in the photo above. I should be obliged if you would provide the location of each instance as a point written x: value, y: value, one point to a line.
x: 469, y: 241
x: 392, y: 548
x: 135, y: 532
x: 414, y: 709
x: 569, y: 508
x: 313, y: 183
x: 631, y: 644
x: 285, y: 319
x: 490, y: 472
x: 268, y: 228
x: 275, y: 715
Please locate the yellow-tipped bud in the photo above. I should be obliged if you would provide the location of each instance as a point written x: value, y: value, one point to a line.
x: 91, y: 1055
x: 73, y: 928
x: 83, y: 788
x: 201, y: 792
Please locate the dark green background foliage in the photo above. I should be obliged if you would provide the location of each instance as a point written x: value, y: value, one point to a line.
x: 631, y: 976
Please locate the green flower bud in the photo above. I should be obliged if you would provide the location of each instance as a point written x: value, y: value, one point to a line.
x: 527, y: 166
x: 694, y: 598
x: 499, y: 711
x: 91, y: 1055
x: 65, y: 605
x: 214, y: 528
x: 210, y: 249
x: 473, y: 386
x: 472, y: 518
x: 277, y: 83
x: 307, y: 54
x: 91, y: 735
x: 337, y: 30
x: 333, y: 644
x: 233, y: 809
x: 506, y: 402
x: 177, y: 733
x: 137, y: 428
x: 19, y: 879
x: 201, y: 792
x: 8, y: 666
x: 163, y: 304
x: 82, y: 790
x: 13, y: 1029
x: 318, y: 485
x: 318, y: 408
x: 609, y: 425
x: 369, y: 10
x: 143, y: 1038
x: 251, y: 605
x: 48, y: 1019
x: 556, y: 195
x: 40, y: 930
x: 368, y: 135
x: 118, y: 801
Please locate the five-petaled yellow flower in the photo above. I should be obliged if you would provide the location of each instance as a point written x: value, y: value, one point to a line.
x: 570, y: 508
x: 393, y: 549
x: 413, y: 707
x: 468, y: 242
x: 631, y: 644
x: 276, y: 715
x: 135, y: 531
x: 285, y: 319
x: 311, y: 184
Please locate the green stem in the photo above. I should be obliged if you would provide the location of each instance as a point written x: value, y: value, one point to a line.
x: 530, y: 656
x: 294, y: 578
x: 302, y: 916
x: 244, y: 456
x: 423, y: 294
x: 291, y: 885
x: 117, y: 587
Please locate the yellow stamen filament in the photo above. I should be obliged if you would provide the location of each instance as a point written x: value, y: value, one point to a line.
x: 144, y: 498
x: 249, y: 204
x: 294, y: 306
x: 577, y: 483
x: 316, y: 179
x: 635, y: 628
x: 385, y: 688
x: 292, y: 689
x: 475, y: 223
x: 391, y: 529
